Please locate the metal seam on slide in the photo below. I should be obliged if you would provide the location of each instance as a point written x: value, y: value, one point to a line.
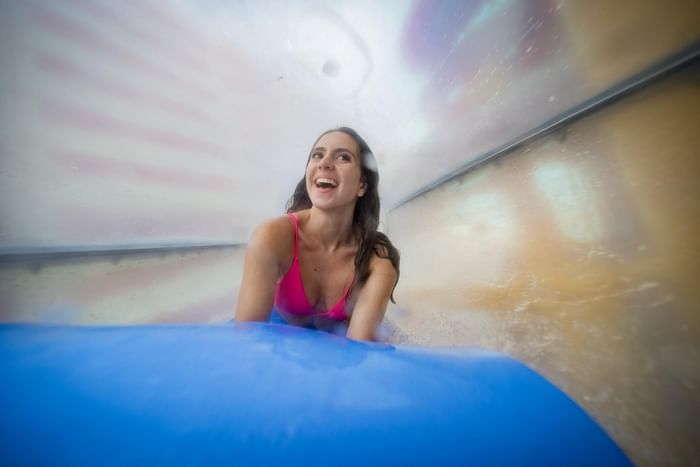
x: 39, y: 254
x: 622, y: 89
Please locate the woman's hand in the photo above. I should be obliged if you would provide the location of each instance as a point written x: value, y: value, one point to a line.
x: 374, y: 297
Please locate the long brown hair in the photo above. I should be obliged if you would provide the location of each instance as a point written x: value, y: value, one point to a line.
x: 365, y: 216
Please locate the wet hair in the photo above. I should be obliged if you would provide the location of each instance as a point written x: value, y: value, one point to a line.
x: 366, y: 215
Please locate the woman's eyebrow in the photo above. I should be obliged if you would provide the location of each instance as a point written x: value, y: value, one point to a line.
x: 321, y: 148
x: 337, y: 150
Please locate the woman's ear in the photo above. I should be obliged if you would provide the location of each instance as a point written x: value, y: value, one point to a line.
x: 363, y: 189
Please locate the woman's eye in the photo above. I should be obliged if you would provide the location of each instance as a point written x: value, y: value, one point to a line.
x: 344, y: 157
x: 316, y: 155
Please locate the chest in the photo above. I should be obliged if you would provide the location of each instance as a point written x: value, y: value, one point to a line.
x: 326, y: 276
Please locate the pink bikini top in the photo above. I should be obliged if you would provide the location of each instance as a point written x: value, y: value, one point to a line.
x: 290, y: 296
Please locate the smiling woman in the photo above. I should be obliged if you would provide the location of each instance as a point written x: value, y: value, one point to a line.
x: 324, y: 265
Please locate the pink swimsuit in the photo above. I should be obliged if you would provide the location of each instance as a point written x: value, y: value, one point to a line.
x: 290, y: 296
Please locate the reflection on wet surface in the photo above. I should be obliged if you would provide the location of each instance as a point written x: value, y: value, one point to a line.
x: 191, y: 287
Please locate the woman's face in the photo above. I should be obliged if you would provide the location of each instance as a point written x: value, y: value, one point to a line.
x: 334, y: 171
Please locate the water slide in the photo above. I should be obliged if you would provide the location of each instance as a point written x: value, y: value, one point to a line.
x: 538, y: 170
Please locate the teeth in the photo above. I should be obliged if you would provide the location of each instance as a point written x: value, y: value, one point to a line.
x: 327, y: 181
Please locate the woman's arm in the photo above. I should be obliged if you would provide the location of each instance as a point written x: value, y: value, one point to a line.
x: 374, y: 297
x: 260, y: 273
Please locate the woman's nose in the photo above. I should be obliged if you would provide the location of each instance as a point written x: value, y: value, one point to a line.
x: 326, y: 162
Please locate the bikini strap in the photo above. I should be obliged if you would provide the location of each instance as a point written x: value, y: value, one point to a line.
x: 352, y: 284
x: 295, y: 222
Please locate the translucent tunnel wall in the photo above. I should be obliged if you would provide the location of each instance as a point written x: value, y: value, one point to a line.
x: 579, y: 255
x: 538, y: 164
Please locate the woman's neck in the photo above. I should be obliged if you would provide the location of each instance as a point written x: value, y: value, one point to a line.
x: 332, y: 229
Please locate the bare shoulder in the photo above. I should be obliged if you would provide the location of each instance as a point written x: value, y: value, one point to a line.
x: 382, y: 267
x: 275, y: 235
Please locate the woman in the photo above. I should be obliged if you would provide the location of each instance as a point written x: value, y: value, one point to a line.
x: 324, y: 265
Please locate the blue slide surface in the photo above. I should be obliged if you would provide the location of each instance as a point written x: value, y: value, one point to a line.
x: 268, y: 394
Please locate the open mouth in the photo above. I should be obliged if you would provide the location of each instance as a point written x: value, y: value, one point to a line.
x: 326, y: 183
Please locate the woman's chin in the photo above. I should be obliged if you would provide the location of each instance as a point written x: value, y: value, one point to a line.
x: 331, y: 202
x: 322, y: 202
